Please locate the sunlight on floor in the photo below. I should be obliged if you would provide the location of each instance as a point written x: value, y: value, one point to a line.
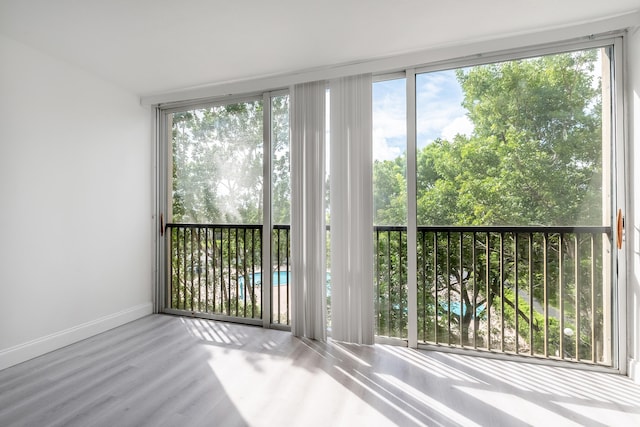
x: 524, y: 410
x: 603, y: 415
x: 431, y: 403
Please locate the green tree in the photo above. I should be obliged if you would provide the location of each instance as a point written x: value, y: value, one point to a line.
x: 217, y: 164
x: 534, y: 157
x: 390, y: 195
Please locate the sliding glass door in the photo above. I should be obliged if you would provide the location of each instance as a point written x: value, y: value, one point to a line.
x: 513, y: 193
x: 228, y: 165
x: 514, y: 226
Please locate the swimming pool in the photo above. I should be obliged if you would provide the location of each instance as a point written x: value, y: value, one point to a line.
x: 454, y: 308
x: 279, y: 278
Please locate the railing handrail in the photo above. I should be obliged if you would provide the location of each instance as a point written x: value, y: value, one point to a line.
x: 426, y: 228
x: 206, y: 225
x: 519, y: 228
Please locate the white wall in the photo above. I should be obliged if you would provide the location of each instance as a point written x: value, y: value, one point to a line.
x: 633, y: 213
x: 75, y: 203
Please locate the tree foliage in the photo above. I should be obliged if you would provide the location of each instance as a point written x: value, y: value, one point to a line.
x: 218, y: 163
x: 534, y: 157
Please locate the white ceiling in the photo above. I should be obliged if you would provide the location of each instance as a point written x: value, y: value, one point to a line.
x: 153, y: 46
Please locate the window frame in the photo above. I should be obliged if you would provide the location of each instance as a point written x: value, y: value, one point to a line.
x: 619, y: 160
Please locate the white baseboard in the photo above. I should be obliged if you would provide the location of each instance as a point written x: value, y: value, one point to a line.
x: 634, y: 370
x: 23, y: 352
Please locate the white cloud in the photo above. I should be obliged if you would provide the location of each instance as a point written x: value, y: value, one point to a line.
x: 439, y: 113
x: 438, y: 107
x: 389, y: 123
x: 383, y: 149
x: 460, y: 125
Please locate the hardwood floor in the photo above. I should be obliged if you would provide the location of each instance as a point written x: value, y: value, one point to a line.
x: 172, y: 371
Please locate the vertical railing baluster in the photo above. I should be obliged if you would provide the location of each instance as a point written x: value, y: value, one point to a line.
x: 178, y: 263
x: 258, y: 251
x: 448, y: 287
x: 191, y: 270
x: 175, y: 238
x: 237, y: 295
x: 502, y: 274
x: 218, y: 304
x: 462, y: 289
x: 244, y: 272
x: 516, y: 297
x: 561, y: 293
x: 400, y: 286
x: 248, y: 267
x: 389, y: 283
x: 212, y: 277
x: 377, y: 272
x: 206, y: 270
x: 545, y: 292
x: 593, y: 301
x: 531, y: 322
x: 255, y: 260
x: 181, y: 278
x: 229, y: 271
x: 187, y: 271
x: 199, y: 267
x: 474, y: 292
x: 216, y: 277
x: 222, y: 272
x: 576, y: 273
x: 489, y: 298
x: 419, y: 282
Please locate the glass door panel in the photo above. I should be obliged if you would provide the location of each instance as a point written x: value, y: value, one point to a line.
x: 513, y: 206
x: 216, y: 203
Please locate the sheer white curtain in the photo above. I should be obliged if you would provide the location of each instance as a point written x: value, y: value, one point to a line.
x: 308, y: 227
x: 352, y: 314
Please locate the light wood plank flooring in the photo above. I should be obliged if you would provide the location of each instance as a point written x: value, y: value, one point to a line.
x: 172, y: 371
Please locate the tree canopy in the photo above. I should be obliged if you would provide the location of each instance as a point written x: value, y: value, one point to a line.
x: 533, y: 158
x: 218, y: 163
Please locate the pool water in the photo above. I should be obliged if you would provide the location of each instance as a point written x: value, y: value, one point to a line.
x: 278, y: 278
x: 454, y: 308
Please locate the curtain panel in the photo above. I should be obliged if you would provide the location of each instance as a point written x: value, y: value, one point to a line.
x: 308, y: 224
x: 352, y: 311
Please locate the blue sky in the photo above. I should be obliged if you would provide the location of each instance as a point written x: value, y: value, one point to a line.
x: 438, y: 110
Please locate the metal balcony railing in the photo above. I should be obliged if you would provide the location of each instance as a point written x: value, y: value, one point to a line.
x: 212, y: 269
x: 215, y: 270
x: 539, y: 291
x: 536, y: 291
